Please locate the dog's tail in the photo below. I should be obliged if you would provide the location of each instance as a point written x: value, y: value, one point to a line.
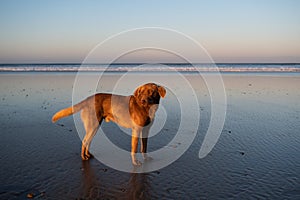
x: 68, y: 111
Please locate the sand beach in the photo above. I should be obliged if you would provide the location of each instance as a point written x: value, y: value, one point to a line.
x: 256, y: 156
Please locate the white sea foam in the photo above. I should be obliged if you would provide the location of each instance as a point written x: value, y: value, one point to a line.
x: 150, y: 68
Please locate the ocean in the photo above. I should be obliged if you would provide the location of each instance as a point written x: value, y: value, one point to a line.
x: 181, y: 67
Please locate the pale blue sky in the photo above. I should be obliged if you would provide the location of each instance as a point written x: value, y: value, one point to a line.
x: 230, y: 30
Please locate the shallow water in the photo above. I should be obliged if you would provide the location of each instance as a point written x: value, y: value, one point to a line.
x: 256, y: 157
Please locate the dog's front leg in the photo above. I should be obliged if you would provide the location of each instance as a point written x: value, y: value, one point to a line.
x: 144, y: 141
x: 134, y: 146
x: 144, y: 149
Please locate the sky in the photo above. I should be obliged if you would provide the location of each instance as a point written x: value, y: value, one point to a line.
x: 65, y: 31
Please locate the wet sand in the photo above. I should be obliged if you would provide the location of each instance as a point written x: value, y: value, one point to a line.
x: 256, y: 157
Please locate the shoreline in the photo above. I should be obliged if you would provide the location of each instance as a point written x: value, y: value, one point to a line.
x: 150, y: 73
x: 156, y: 68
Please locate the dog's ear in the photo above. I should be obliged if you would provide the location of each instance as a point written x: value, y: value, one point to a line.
x: 162, y: 91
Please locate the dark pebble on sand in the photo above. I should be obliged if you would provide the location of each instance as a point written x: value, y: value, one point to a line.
x: 61, y: 125
x: 242, y: 153
x: 229, y: 131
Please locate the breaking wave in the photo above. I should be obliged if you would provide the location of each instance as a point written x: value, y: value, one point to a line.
x: 150, y: 68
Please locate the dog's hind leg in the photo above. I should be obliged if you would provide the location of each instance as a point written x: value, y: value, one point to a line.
x: 91, y: 125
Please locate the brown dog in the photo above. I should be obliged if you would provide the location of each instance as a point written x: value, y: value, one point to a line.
x: 136, y: 112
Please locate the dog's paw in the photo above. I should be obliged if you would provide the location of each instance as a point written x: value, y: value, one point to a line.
x: 136, y: 162
x: 146, y: 157
x: 84, y: 157
x: 87, y: 156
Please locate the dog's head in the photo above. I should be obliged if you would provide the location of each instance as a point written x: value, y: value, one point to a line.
x: 149, y: 94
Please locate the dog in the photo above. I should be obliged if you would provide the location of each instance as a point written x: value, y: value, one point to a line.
x: 136, y: 112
